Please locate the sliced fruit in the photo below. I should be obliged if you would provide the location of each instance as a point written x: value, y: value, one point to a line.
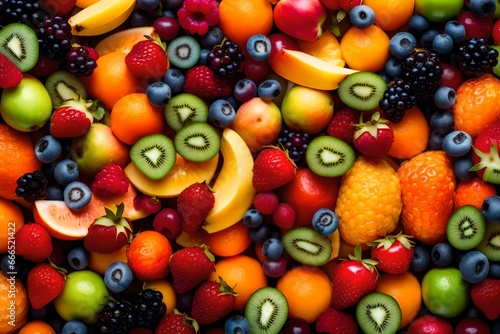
x: 307, y: 246
x: 191, y: 239
x: 124, y: 40
x: 335, y: 241
x: 326, y: 48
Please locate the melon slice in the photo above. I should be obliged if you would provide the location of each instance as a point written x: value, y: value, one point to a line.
x: 66, y: 224
x: 183, y: 174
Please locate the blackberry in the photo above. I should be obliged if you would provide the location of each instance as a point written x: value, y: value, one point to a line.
x: 225, y: 59
x: 114, y: 318
x: 148, y: 308
x: 32, y: 186
x: 398, y: 97
x: 29, y: 12
x: 80, y: 62
x: 54, y: 37
x: 476, y: 57
x: 422, y: 71
x: 294, y: 142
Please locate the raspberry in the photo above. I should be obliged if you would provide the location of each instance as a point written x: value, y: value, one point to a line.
x: 111, y: 180
x: 342, y: 125
x: 196, y: 16
x: 204, y: 83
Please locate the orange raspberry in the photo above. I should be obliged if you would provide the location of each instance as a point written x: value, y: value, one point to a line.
x: 472, y: 192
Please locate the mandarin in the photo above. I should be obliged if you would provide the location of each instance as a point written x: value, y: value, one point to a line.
x: 148, y: 255
x: 391, y: 14
x: 472, y: 192
x: 229, y: 241
x: 37, y: 327
x: 11, y: 220
x: 12, y: 320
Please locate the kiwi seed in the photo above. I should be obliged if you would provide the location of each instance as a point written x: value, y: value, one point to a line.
x: 466, y: 227
x: 378, y: 313
x: 266, y: 311
x: 184, y: 109
x: 19, y: 43
x: 362, y: 90
x: 184, y: 52
x: 197, y: 142
x: 154, y: 155
x: 63, y: 86
x: 307, y: 246
x: 329, y: 156
x: 490, y: 245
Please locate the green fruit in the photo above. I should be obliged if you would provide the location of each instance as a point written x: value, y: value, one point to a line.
x: 445, y: 292
x: 26, y: 107
x: 438, y: 10
x: 496, y: 69
x: 83, y: 296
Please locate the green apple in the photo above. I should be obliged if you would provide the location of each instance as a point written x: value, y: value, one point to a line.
x: 306, y: 109
x: 26, y: 107
x: 445, y: 292
x: 438, y: 10
x: 496, y: 68
x: 83, y: 296
x: 496, y: 14
x: 98, y: 147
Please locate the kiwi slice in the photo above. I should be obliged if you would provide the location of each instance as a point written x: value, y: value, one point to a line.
x: 184, y: 51
x: 378, y: 313
x: 184, y: 109
x: 307, y: 246
x: 19, y: 43
x: 154, y: 155
x: 362, y: 90
x: 266, y: 311
x: 466, y: 227
x: 490, y: 245
x: 197, y: 142
x: 63, y: 86
x: 329, y: 156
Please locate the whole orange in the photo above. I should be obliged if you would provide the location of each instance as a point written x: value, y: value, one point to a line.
x: 12, y: 316
x: 37, y: 327
x: 391, y: 14
x: 148, y: 255
x: 11, y: 220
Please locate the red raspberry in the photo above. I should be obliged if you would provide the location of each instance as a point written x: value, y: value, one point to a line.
x: 204, y: 83
x: 342, y: 125
x: 196, y: 16
x: 111, y: 180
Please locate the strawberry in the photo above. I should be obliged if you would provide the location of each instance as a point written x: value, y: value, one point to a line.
x: 44, y: 284
x: 212, y: 301
x: 485, y: 156
x: 33, y: 242
x: 147, y: 60
x: 203, y: 82
x: 110, y: 180
x: 352, y: 279
x: 74, y: 117
x: 485, y: 296
x: 343, y: 124
x: 272, y: 169
x: 109, y: 233
x: 190, y: 266
x: 10, y: 76
x: 393, y: 253
x: 333, y: 321
x: 374, y: 137
x: 177, y: 323
x: 194, y: 203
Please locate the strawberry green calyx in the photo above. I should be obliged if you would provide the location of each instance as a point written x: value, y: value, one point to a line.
x: 207, y: 252
x: 189, y: 321
x: 60, y: 270
x: 490, y: 162
x: 358, y: 256
x: 389, y: 240
x: 372, y: 126
x: 225, y: 289
x: 121, y: 223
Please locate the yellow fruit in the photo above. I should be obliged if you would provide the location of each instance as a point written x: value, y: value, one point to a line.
x: 327, y: 48
x: 85, y: 3
x: 369, y: 201
x: 166, y: 288
x: 14, y: 304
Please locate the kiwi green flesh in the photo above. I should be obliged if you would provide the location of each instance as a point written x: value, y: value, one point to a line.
x: 63, y: 86
x: 329, y: 156
x: 307, y: 246
x: 197, y: 142
x: 378, y: 313
x: 266, y: 311
x: 19, y: 43
x: 184, y: 109
x: 466, y: 227
x: 184, y: 52
x: 490, y: 245
x: 154, y: 155
x: 362, y: 90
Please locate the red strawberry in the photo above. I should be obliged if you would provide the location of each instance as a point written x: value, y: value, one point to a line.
x: 109, y: 233
x: 190, y: 266
x: 272, y: 169
x: 110, y: 180
x: 33, y: 242
x: 74, y: 117
x: 393, y: 253
x: 485, y: 296
x: 485, y: 156
x: 147, y: 60
x: 343, y: 124
x: 194, y: 203
x: 204, y: 83
x: 177, y: 323
x: 212, y: 301
x: 353, y: 279
x: 374, y: 137
x: 10, y: 76
x: 44, y: 284
x: 332, y: 321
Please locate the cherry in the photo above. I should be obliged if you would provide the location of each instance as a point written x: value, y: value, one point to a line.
x: 451, y: 77
x: 472, y: 325
x: 266, y: 202
x: 44, y: 67
x: 168, y: 222
x: 274, y: 268
x: 257, y: 71
x: 475, y: 26
x: 284, y: 216
x: 348, y: 5
x: 149, y: 204
x: 495, y: 32
x: 296, y: 326
x: 167, y: 28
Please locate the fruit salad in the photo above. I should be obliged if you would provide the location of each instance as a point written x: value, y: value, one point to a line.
x: 249, y: 166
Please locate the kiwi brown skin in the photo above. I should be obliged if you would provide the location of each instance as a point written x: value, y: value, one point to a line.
x: 466, y: 228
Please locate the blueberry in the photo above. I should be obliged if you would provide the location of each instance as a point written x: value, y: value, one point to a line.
x: 78, y: 258
x: 221, y: 113
x: 436, y: 140
x: 474, y: 266
x: 427, y: 38
x: 66, y: 171
x: 77, y: 195
x: 442, y: 254
x: 418, y: 24
x: 362, y: 16
x: 139, y: 18
x: 158, y: 93
x: 237, y: 324
x: 118, y: 276
x: 10, y: 263
x: 442, y: 44
x: 213, y: 37
x: 48, y: 149
x: 494, y: 270
x: 269, y: 89
x: 245, y: 89
x: 393, y: 67
x: 325, y: 221
x: 272, y: 248
x: 491, y: 209
x: 442, y: 121
x: 444, y: 97
x: 462, y: 166
x: 203, y: 56
x: 457, y: 143
x: 174, y: 78
x: 260, y: 233
x: 402, y: 44
x: 421, y: 259
x: 147, y: 5
x: 483, y: 8
x: 387, y: 78
x: 259, y: 47
x: 74, y: 327
x: 54, y: 193
x: 455, y: 30
x: 253, y: 218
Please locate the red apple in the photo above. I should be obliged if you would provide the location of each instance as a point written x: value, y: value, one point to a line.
x: 429, y: 324
x: 58, y: 7
x: 475, y: 26
x: 495, y: 32
x: 302, y: 19
x: 331, y: 4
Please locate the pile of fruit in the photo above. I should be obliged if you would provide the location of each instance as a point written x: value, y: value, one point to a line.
x: 249, y: 166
